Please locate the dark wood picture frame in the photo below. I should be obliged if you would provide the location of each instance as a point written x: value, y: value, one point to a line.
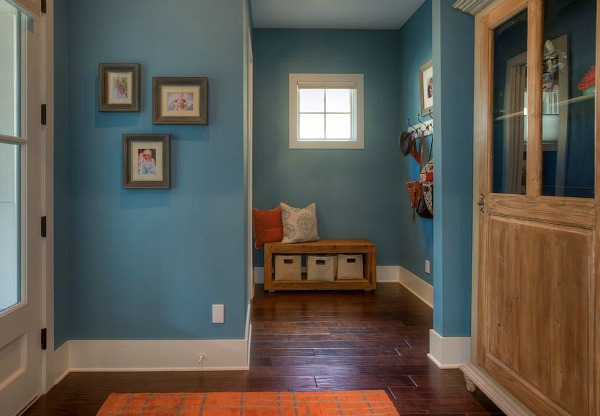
x: 180, y: 100
x: 119, y: 86
x: 141, y: 172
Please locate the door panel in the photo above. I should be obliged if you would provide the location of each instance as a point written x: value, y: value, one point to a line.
x: 581, y: 213
x: 540, y: 278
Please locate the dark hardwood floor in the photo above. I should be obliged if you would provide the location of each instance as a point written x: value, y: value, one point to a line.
x: 309, y: 341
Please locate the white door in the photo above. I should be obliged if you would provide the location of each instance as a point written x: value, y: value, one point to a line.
x: 21, y: 207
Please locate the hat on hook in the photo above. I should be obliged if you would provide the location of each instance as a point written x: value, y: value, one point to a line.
x: 406, y: 142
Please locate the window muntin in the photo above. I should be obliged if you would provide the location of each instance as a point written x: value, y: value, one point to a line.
x: 326, y: 111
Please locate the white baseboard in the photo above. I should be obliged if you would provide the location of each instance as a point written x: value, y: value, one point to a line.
x: 158, y: 355
x: 384, y: 274
x: 259, y: 275
x: 388, y: 274
x: 416, y: 285
x: 449, y: 352
x: 60, y: 364
x: 153, y: 355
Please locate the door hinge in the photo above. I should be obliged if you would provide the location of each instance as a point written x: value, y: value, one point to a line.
x: 43, y: 114
x: 43, y: 338
x: 43, y: 226
x: 43, y: 6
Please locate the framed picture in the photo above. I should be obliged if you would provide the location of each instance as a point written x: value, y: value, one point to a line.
x: 119, y: 87
x: 180, y: 100
x: 146, y: 161
x: 426, y: 82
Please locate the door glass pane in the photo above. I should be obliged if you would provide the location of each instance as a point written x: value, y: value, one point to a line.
x: 510, y: 84
x: 9, y: 74
x: 10, y: 276
x: 10, y: 170
x: 568, y: 98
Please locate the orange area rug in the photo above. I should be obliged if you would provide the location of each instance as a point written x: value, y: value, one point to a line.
x: 320, y: 403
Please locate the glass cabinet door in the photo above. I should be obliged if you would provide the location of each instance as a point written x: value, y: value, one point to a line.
x: 509, y: 112
x: 568, y: 91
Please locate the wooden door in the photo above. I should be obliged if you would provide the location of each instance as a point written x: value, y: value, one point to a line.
x: 538, y: 331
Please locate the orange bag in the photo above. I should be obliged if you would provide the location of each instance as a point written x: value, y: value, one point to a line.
x: 415, y: 192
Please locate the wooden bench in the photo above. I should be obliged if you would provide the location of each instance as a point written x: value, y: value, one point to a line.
x: 365, y: 247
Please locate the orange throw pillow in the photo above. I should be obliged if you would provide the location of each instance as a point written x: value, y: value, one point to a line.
x: 268, y: 226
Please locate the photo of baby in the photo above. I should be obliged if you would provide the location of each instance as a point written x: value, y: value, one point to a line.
x: 430, y: 87
x: 119, y: 91
x: 147, y: 161
x: 180, y: 101
x: 119, y: 88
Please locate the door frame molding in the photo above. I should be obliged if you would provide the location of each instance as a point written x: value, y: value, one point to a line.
x: 50, y: 374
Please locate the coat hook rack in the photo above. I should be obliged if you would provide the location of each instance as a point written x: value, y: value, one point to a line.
x: 426, y: 126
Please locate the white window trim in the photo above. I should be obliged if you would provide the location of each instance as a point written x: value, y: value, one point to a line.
x: 356, y: 80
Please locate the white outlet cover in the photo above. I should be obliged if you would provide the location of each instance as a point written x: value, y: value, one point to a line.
x: 218, y: 314
x: 427, y: 267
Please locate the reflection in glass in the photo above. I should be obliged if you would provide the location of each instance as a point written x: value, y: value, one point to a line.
x: 568, y: 98
x: 510, y: 84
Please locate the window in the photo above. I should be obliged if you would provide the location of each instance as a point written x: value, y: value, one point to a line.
x: 10, y: 156
x: 326, y: 111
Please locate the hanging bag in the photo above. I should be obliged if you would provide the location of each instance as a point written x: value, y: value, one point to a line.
x: 415, y: 191
x: 425, y: 207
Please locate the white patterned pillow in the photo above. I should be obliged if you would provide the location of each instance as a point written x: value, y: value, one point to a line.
x: 299, y: 224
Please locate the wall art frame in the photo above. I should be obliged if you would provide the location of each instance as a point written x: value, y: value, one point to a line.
x: 426, y: 87
x: 119, y: 85
x: 146, y: 161
x: 180, y: 100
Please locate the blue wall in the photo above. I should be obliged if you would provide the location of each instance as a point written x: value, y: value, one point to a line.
x: 356, y: 191
x: 414, y: 51
x: 453, y: 40
x: 148, y: 264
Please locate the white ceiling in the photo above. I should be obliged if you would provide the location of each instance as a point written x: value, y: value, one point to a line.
x: 332, y: 14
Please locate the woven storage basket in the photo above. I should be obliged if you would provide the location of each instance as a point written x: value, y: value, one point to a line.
x: 321, y: 268
x: 288, y: 267
x: 350, y: 266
